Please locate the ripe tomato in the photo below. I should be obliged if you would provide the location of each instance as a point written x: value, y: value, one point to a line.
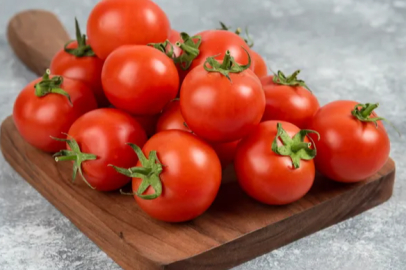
x: 43, y: 109
x: 171, y: 118
x: 221, y: 109
x: 113, y: 23
x: 179, y: 180
x: 78, y: 61
x: 260, y: 68
x: 100, y: 138
x: 288, y: 99
x: 267, y: 175
x: 211, y: 43
x: 354, y: 144
x: 148, y: 123
x: 139, y: 79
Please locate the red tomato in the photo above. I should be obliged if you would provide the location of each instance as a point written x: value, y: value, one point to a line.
x: 103, y: 135
x: 289, y: 101
x: 77, y: 61
x: 225, y: 152
x: 270, y: 177
x: 50, y: 114
x: 139, y: 79
x: 215, y: 43
x: 350, y: 150
x: 86, y: 69
x: 174, y: 37
x: 260, y: 68
x: 185, y: 176
x: 148, y: 123
x: 218, y: 109
x: 171, y: 118
x: 113, y: 23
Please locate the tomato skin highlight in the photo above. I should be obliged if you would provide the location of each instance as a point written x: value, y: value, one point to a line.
x: 139, y: 79
x: 190, y: 178
x: 105, y: 133
x: 349, y: 150
x: 267, y: 176
x: 218, y: 110
x: 38, y: 118
x: 294, y: 104
x: 113, y: 23
x: 86, y: 69
x: 260, y: 68
x: 171, y: 118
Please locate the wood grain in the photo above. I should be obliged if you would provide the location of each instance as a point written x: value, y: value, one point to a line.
x: 235, y: 229
x: 36, y: 36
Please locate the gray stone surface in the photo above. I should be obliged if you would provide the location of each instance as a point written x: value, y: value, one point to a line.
x: 346, y: 49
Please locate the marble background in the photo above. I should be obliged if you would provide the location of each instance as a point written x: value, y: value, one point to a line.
x: 346, y: 49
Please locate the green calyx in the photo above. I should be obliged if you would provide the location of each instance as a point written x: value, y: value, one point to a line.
x: 291, y: 80
x: 83, y: 49
x: 238, y: 31
x: 74, y: 155
x: 47, y: 86
x: 149, y: 173
x: 363, y: 113
x: 163, y: 48
x: 295, y: 147
x: 190, y: 50
x: 228, y: 66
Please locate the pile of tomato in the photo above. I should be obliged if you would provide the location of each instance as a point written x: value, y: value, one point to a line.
x: 137, y: 100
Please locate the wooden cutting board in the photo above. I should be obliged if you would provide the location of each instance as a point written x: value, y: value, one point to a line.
x: 235, y: 229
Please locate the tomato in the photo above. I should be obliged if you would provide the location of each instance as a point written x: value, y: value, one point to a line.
x: 171, y: 118
x: 174, y: 37
x: 288, y: 99
x: 79, y: 62
x: 352, y: 148
x: 179, y: 180
x: 225, y: 152
x: 139, y: 79
x: 221, y: 109
x: 113, y: 23
x: 211, y: 43
x: 43, y: 109
x: 260, y: 68
x: 148, y: 123
x: 268, y: 176
x: 100, y: 138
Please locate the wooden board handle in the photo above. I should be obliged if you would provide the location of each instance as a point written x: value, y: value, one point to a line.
x: 35, y: 36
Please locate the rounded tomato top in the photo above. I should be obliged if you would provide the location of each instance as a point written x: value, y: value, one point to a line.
x: 113, y: 23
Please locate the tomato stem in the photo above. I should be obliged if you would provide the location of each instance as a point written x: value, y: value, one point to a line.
x: 363, y: 113
x: 47, y: 86
x: 65, y: 158
x: 149, y: 172
x: 294, y: 147
x: 75, y: 155
x: 229, y: 65
x: 190, y: 50
x: 162, y: 47
x: 299, y: 146
x: 83, y: 49
x: 292, y: 80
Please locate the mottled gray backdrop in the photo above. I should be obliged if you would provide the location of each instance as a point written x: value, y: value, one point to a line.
x: 346, y: 49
